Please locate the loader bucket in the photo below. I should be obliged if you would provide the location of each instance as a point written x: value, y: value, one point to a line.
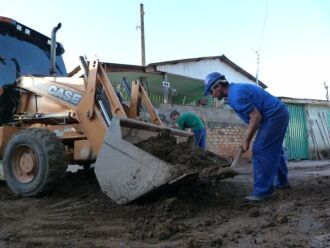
x: 126, y: 172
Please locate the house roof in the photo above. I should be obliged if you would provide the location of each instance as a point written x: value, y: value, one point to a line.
x: 222, y: 58
x: 304, y: 101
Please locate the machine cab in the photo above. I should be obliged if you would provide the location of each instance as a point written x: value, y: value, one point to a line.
x: 24, y: 51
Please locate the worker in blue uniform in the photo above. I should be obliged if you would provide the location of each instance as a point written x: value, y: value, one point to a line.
x: 265, y: 113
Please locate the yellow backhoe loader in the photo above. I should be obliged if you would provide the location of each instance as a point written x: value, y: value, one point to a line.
x: 50, y: 119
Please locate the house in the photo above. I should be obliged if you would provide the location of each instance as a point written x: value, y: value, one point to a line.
x: 199, y: 67
x: 196, y: 69
x: 180, y: 81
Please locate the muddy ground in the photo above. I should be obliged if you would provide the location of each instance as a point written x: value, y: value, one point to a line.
x: 210, y: 214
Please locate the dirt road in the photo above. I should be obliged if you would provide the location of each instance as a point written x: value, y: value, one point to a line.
x: 210, y: 214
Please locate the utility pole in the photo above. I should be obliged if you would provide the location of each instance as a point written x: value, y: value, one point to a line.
x: 326, y: 89
x: 258, y: 64
x: 143, y: 56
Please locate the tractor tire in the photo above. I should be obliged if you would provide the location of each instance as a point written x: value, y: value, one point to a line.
x: 33, y: 161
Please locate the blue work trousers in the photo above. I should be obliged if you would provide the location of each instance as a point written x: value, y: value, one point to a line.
x: 269, y: 163
x: 200, y: 137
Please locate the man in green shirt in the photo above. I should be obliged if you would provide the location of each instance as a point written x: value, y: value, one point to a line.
x: 193, y: 121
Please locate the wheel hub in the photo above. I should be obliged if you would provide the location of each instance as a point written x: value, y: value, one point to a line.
x: 25, y: 164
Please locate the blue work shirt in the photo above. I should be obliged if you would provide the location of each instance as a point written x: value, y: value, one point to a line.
x: 243, y: 98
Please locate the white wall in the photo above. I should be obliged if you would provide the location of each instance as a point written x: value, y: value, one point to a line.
x: 199, y: 70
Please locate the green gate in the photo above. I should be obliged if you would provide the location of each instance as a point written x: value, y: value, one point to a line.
x: 296, y: 138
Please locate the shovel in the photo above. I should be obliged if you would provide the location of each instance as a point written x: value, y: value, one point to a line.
x: 229, y: 171
x: 236, y: 158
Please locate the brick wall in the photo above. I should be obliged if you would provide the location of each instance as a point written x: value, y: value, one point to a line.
x: 225, y: 130
x: 225, y: 138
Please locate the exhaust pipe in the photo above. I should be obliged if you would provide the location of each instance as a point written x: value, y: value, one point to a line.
x: 52, y: 69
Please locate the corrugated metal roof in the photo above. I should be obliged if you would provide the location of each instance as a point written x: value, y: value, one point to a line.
x: 222, y: 58
x: 305, y: 101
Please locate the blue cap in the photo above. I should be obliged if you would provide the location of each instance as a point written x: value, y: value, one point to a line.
x: 210, y: 79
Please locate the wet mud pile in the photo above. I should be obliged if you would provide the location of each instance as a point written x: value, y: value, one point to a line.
x: 186, y: 157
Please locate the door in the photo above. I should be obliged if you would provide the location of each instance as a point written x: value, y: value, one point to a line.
x: 296, y: 138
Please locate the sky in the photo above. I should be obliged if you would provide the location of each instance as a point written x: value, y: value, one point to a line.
x: 291, y: 38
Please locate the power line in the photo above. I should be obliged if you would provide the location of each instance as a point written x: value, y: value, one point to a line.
x: 264, y: 26
x: 261, y: 42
